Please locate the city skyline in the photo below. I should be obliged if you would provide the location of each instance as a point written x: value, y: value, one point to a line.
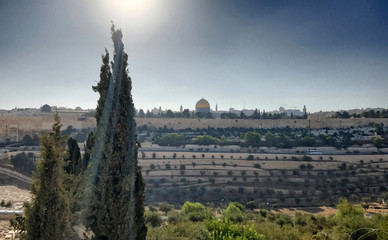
x: 327, y: 55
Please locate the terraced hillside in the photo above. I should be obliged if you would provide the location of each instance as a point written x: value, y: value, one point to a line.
x: 284, y: 179
x: 288, y: 180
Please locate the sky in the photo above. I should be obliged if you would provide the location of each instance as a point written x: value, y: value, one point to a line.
x: 326, y: 54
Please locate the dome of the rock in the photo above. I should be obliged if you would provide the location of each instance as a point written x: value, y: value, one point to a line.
x: 202, y: 106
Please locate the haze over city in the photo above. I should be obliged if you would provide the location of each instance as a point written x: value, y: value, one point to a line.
x: 327, y: 55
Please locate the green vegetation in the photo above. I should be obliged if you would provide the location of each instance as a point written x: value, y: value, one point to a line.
x: 24, y: 163
x: 30, y: 141
x: 48, y: 215
x: 367, y: 114
x: 171, y: 139
x: 277, y: 137
x: 252, y: 139
x: 165, y: 207
x: 103, y: 191
x: 73, y: 161
x: 7, y: 204
x: 117, y: 190
x: 237, y: 223
x: 194, y: 211
x: 205, y: 140
x: 153, y: 219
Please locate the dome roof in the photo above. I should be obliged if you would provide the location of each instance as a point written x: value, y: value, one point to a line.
x: 45, y: 108
x: 202, y: 103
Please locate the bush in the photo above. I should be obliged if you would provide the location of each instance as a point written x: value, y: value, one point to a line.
x: 168, y: 166
x: 5, y: 204
x: 194, y: 211
x: 152, y: 208
x: 256, y: 165
x: 152, y: 166
x: 228, y: 230
x: 172, y: 139
x: 205, y: 140
x: 153, y: 219
x: 174, y: 217
x: 234, y: 212
x: 251, y: 205
x: 165, y: 207
x: 283, y: 219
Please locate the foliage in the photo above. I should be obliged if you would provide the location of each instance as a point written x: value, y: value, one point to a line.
x: 171, y: 139
x: 383, y: 233
x: 377, y: 141
x: 116, y: 187
x: 227, y: 230
x: 179, y: 231
x: 27, y: 141
x: 175, y: 217
x: 24, y: 163
x: 234, y: 212
x: 350, y: 221
x: 73, y: 161
x: 165, y: 207
x: 252, y: 139
x: 48, y: 214
x: 153, y: 218
x: 194, y: 211
x: 205, y: 140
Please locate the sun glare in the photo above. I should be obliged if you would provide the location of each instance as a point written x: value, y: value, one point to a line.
x: 140, y: 15
x: 131, y: 7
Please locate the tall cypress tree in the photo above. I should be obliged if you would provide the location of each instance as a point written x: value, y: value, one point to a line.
x: 48, y: 215
x: 73, y: 160
x: 116, y: 206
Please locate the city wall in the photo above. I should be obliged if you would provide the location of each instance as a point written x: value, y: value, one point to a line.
x: 15, y: 127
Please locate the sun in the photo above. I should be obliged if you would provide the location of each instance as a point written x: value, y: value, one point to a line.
x: 138, y: 15
x: 131, y: 7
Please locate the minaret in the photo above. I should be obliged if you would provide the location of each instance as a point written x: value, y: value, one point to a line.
x: 216, y: 108
x: 181, y: 109
x: 304, y: 110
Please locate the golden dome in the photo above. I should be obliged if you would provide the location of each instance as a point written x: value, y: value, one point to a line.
x: 202, y: 103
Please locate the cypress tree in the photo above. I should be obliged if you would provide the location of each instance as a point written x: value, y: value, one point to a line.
x: 88, y: 147
x: 48, y: 215
x: 116, y: 205
x: 73, y: 161
x: 103, y: 84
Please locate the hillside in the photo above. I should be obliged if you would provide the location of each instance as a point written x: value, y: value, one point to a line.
x: 285, y: 179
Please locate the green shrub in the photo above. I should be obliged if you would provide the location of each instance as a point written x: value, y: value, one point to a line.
x: 227, y: 230
x: 174, y: 217
x: 234, y: 212
x: 165, y: 207
x: 153, y: 219
x: 194, y: 211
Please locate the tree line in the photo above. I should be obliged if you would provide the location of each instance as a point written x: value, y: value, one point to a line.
x: 366, y: 114
x: 186, y: 113
x: 280, y: 138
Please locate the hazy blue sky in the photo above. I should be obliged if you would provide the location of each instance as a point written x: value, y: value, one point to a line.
x: 327, y: 55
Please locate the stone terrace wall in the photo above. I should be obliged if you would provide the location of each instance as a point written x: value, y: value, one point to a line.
x: 14, y: 127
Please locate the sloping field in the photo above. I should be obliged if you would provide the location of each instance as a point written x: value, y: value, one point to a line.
x: 289, y: 180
